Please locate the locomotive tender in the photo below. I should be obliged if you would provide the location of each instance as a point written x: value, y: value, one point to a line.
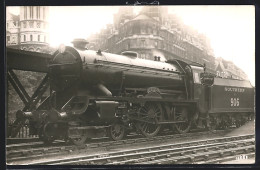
x: 93, y: 94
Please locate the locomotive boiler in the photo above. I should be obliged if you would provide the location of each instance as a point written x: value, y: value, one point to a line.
x: 94, y: 94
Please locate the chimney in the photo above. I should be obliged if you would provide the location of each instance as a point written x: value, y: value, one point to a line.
x: 80, y: 44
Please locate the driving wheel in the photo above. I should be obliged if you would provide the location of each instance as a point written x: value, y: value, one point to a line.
x: 149, y: 115
x: 181, y: 116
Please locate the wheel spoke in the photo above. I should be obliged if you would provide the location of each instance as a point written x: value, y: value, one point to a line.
x: 143, y: 110
x: 117, y: 131
x: 80, y: 140
x: 180, y: 114
x: 145, y: 127
x: 150, y: 112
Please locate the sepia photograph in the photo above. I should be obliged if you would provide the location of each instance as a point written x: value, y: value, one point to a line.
x: 130, y: 85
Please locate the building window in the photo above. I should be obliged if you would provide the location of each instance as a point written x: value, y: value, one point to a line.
x: 142, y: 43
x: 31, y: 38
x: 13, y: 40
x: 24, y: 24
x: 136, y: 28
x: 142, y: 56
x: 8, y: 38
x: 24, y: 37
x: 39, y: 38
x: 31, y: 12
x: 142, y: 29
x: 31, y: 24
x: 38, y: 24
x: 155, y: 43
x: 149, y: 30
x: 38, y: 12
x: 130, y: 31
x: 155, y: 32
x: 24, y: 14
x: 43, y: 11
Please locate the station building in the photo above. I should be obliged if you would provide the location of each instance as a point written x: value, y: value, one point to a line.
x: 29, y: 30
x: 154, y: 32
x: 227, y: 69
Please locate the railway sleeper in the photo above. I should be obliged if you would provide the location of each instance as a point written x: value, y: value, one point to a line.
x: 11, y: 154
x: 200, y: 156
x: 161, y: 154
x: 225, y: 159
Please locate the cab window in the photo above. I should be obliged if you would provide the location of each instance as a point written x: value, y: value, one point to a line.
x: 196, y: 77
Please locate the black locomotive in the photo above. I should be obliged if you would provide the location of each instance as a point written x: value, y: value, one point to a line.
x: 93, y: 94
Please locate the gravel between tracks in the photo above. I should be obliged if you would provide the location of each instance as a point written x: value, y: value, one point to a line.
x: 246, y: 129
x: 121, y: 148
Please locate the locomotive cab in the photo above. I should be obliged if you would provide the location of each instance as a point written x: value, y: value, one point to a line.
x: 202, y: 81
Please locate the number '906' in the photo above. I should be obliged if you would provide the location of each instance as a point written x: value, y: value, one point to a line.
x: 234, y: 101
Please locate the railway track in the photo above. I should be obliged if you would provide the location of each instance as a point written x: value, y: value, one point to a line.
x: 188, y: 152
x: 207, y: 154
x: 10, y: 141
x: 30, y: 145
x: 169, y: 154
x: 36, y: 150
x: 27, y: 144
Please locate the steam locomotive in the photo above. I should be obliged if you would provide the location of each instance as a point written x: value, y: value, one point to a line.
x: 95, y: 94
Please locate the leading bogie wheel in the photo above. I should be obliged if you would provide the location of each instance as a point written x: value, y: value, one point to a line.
x: 79, y: 140
x: 48, y: 140
x: 117, y: 131
x: 77, y: 137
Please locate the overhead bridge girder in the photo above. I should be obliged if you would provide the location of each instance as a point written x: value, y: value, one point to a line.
x: 30, y: 102
x: 27, y: 60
